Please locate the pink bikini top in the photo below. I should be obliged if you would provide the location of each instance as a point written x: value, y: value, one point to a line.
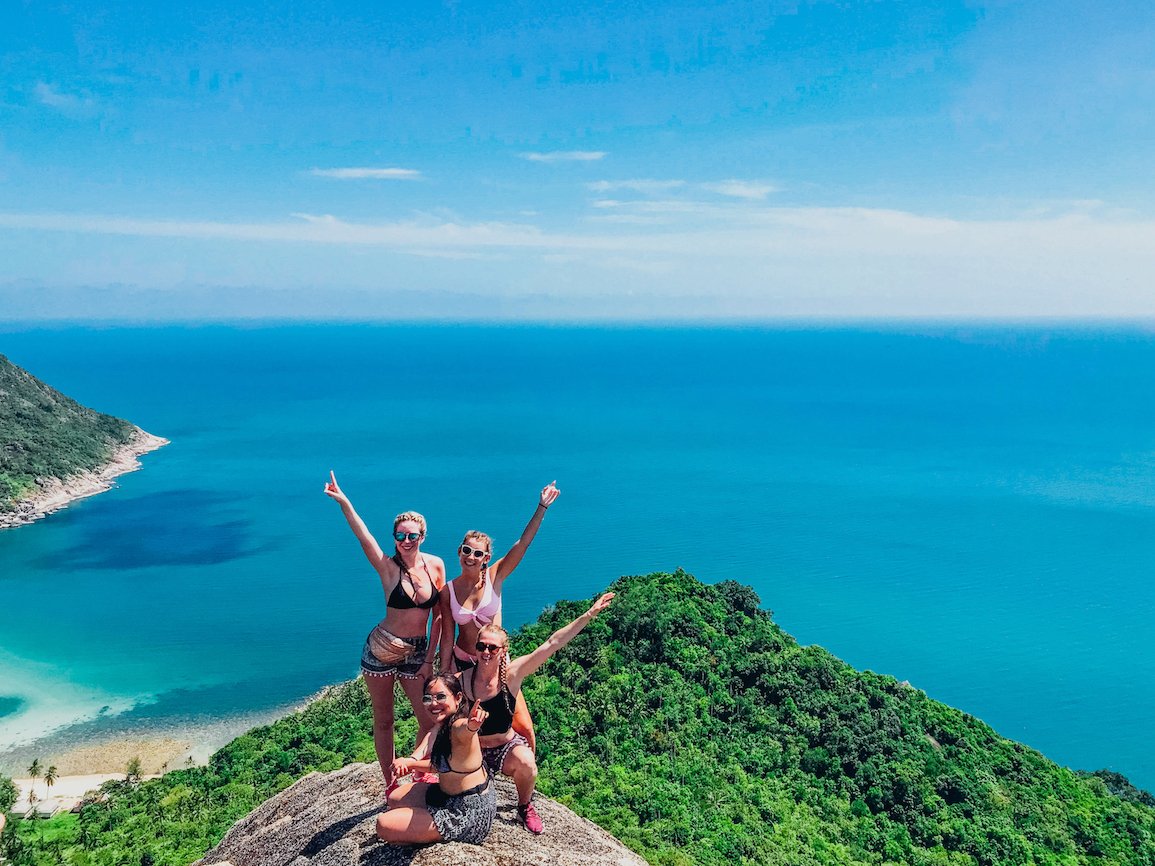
x: 485, y: 612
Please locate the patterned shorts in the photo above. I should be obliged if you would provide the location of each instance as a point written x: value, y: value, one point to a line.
x: 464, y: 817
x: 410, y: 669
x: 494, y: 757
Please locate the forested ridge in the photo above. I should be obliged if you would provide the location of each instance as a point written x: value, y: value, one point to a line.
x: 44, y: 434
x: 690, y: 726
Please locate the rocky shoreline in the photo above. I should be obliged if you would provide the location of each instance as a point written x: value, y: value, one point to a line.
x: 57, y: 493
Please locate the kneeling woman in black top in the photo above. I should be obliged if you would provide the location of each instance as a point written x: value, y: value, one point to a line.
x: 495, y: 683
x: 459, y: 807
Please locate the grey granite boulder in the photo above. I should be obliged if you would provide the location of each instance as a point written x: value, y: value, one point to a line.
x: 329, y: 820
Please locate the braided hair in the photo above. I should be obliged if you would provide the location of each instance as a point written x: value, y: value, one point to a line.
x: 503, y: 668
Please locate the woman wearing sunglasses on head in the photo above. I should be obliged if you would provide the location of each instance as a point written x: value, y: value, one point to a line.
x: 461, y: 804
x: 496, y: 683
x: 474, y: 598
x: 398, y: 647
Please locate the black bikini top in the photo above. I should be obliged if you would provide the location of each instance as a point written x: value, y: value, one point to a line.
x: 442, y: 748
x: 400, y: 599
x: 500, y: 708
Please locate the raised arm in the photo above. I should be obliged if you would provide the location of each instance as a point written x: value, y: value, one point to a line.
x: 504, y: 567
x: 522, y: 666
x: 368, y: 542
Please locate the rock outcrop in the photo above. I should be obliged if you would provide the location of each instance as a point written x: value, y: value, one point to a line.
x: 329, y: 820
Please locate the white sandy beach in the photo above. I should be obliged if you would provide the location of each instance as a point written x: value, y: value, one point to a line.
x: 63, y: 795
x: 56, y: 493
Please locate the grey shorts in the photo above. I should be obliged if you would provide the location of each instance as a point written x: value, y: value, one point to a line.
x: 464, y: 817
x: 410, y: 669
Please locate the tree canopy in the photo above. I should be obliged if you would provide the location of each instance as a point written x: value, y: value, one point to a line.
x: 44, y: 434
x: 690, y: 726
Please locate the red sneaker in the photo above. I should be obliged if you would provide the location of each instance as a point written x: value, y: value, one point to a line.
x: 530, y: 818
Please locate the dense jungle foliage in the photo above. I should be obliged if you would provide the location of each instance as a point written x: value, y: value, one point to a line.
x: 45, y: 434
x: 688, y: 725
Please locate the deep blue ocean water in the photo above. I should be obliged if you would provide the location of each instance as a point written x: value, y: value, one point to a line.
x: 971, y: 509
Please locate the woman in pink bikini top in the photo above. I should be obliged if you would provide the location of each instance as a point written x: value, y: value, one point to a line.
x: 474, y: 598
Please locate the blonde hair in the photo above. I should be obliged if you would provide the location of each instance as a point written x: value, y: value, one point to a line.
x: 397, y: 521
x: 409, y: 515
x: 474, y: 535
x: 504, y: 663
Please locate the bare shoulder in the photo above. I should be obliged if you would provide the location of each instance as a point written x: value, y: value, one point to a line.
x: 497, y: 572
x: 436, y: 566
x: 387, y: 568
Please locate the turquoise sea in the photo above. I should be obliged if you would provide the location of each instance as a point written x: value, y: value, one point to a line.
x: 971, y: 509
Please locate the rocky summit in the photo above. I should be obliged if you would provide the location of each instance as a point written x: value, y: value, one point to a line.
x: 328, y: 819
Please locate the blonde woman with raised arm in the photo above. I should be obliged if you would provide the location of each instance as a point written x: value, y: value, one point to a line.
x: 496, y: 682
x: 397, y: 649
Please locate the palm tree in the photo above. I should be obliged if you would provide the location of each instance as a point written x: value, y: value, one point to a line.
x: 132, y: 771
x: 50, y: 777
x: 33, y: 774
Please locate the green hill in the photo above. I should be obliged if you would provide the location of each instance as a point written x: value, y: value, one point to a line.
x: 695, y: 730
x: 44, y: 434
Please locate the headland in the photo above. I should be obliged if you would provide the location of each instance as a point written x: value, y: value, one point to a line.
x: 53, y: 494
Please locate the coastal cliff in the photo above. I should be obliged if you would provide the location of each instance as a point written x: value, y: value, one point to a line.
x: 330, y: 819
x: 689, y: 726
x: 53, y: 450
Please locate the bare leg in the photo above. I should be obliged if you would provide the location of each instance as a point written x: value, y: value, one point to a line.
x: 381, y: 695
x: 523, y: 723
x: 410, y: 796
x: 414, y: 688
x: 407, y: 826
x: 522, y: 768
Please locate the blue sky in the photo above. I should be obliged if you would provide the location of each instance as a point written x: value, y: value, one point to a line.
x: 577, y: 160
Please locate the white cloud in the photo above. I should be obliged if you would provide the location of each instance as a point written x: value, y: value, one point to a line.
x: 564, y: 156
x: 68, y: 104
x: 644, y: 186
x: 761, y: 260
x: 368, y: 173
x: 744, y: 189
x: 669, y: 208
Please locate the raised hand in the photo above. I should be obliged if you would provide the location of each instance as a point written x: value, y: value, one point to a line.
x: 549, y: 493
x: 600, y: 605
x: 477, y: 716
x: 333, y: 491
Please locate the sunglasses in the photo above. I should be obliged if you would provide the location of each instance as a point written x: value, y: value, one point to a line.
x: 407, y: 536
x: 440, y: 697
x: 474, y: 551
x: 481, y: 647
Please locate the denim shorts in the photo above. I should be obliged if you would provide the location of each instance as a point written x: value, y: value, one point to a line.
x: 410, y: 669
